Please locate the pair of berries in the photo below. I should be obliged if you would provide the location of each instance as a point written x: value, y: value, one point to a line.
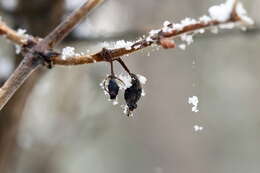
x: 132, y: 94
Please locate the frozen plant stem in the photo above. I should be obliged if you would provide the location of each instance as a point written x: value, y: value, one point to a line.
x: 40, y: 51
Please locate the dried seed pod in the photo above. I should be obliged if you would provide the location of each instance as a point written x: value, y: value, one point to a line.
x: 112, y: 88
x: 133, y: 93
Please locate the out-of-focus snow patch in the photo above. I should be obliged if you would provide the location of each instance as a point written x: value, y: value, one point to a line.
x: 72, y: 4
x: 9, y: 4
x: 111, y: 19
x: 6, y: 67
x: 194, y: 100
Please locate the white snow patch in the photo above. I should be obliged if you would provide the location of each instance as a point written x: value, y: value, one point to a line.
x: 127, y: 81
x: 223, y: 11
x: 142, y: 79
x: 68, y: 52
x: 118, y: 44
x: 194, y: 100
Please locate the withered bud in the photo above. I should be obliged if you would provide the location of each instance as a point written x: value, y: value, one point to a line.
x: 112, y: 88
x: 133, y: 93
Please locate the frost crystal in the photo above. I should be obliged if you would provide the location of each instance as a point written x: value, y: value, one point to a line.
x: 194, y: 101
x: 197, y: 128
x: 222, y: 12
x: 68, y: 52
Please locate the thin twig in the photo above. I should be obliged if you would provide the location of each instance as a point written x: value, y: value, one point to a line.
x: 11, y: 34
x: 136, y: 46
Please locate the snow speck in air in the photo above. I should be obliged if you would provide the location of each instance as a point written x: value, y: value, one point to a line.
x: 194, y: 100
x: 182, y: 46
x: 197, y: 128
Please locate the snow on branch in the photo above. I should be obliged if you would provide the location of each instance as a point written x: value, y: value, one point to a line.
x: 37, y: 51
x: 224, y: 16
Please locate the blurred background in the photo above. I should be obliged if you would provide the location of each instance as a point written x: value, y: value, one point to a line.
x: 61, y: 122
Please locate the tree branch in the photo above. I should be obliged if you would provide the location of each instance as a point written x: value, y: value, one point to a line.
x: 38, y: 51
x: 35, y: 50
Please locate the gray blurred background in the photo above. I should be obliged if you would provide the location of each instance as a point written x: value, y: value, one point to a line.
x: 61, y: 122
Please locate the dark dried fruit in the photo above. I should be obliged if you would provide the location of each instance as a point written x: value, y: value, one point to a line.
x: 112, y: 88
x: 133, y: 93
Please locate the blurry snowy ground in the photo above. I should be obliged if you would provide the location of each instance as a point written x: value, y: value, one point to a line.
x: 69, y: 126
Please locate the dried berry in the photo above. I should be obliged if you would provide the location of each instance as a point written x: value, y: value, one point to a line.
x: 112, y: 88
x: 133, y: 93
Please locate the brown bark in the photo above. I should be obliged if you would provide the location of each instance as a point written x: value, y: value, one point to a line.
x: 38, y: 17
